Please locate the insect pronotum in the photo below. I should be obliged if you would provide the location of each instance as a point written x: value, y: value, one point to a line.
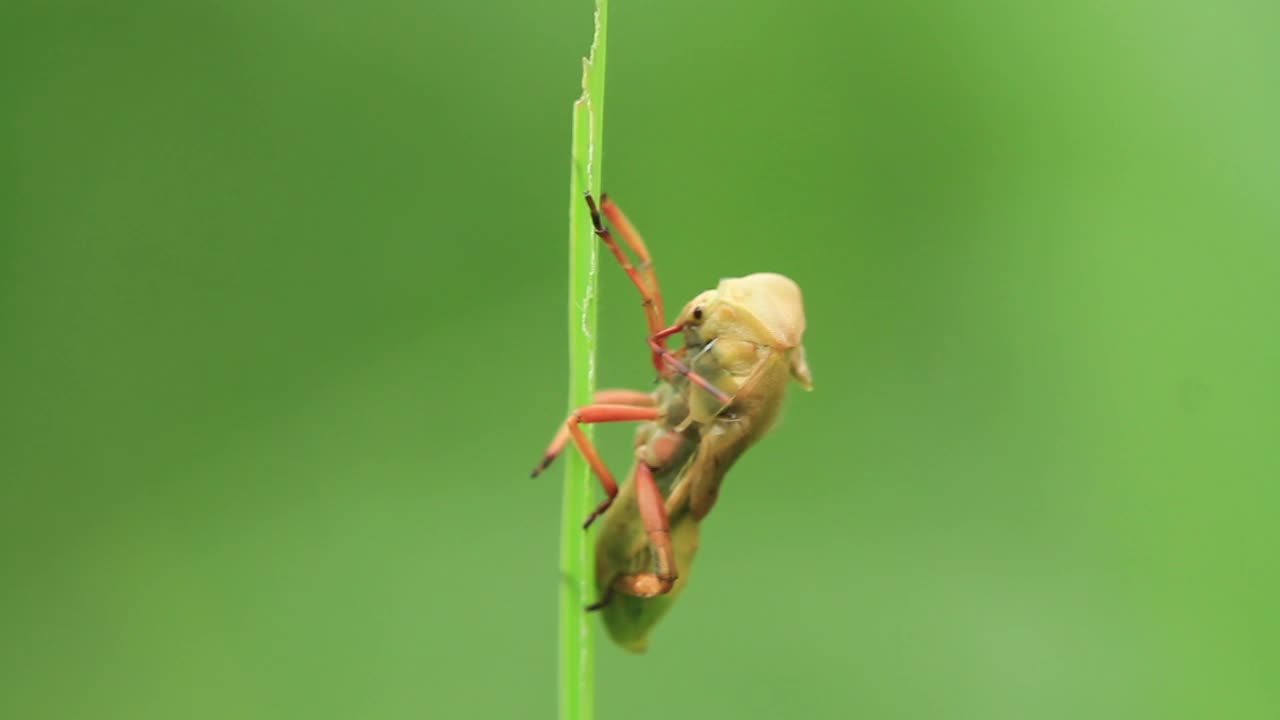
x: 717, y: 395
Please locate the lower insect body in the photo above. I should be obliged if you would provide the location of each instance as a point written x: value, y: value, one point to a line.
x: 643, y: 497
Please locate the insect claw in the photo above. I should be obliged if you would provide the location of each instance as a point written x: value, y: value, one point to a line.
x: 546, y: 462
x: 597, y: 512
x: 595, y: 214
x: 599, y: 604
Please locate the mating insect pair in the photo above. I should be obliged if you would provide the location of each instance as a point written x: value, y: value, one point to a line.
x: 717, y: 395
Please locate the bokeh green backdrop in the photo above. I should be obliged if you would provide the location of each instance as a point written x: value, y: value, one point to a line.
x: 282, y: 312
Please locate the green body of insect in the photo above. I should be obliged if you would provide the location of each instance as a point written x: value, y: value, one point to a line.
x: 718, y: 395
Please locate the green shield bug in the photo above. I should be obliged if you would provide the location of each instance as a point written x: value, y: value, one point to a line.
x: 717, y: 395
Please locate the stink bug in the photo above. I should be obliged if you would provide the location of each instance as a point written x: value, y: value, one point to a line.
x: 717, y: 395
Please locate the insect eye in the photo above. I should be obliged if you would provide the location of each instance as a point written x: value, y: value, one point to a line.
x: 697, y: 313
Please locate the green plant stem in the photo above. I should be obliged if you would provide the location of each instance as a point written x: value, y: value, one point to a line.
x: 577, y: 636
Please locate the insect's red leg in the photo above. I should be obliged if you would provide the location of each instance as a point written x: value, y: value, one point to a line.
x: 651, y: 302
x: 633, y: 240
x: 595, y: 414
x: 637, y: 398
x: 656, y: 342
x: 619, y: 396
x: 653, y: 512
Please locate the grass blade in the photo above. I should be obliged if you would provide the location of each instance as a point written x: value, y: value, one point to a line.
x: 577, y: 636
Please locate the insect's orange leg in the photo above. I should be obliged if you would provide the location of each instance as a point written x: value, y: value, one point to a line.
x: 636, y: 398
x: 622, y: 396
x: 595, y: 414
x: 652, y: 302
x: 633, y: 240
x: 656, y: 342
x: 653, y: 511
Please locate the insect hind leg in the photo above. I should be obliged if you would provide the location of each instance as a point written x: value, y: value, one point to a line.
x: 653, y: 511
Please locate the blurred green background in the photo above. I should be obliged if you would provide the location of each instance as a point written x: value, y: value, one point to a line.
x: 282, y: 310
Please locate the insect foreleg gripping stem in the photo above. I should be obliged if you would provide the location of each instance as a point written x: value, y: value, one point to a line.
x: 644, y: 277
